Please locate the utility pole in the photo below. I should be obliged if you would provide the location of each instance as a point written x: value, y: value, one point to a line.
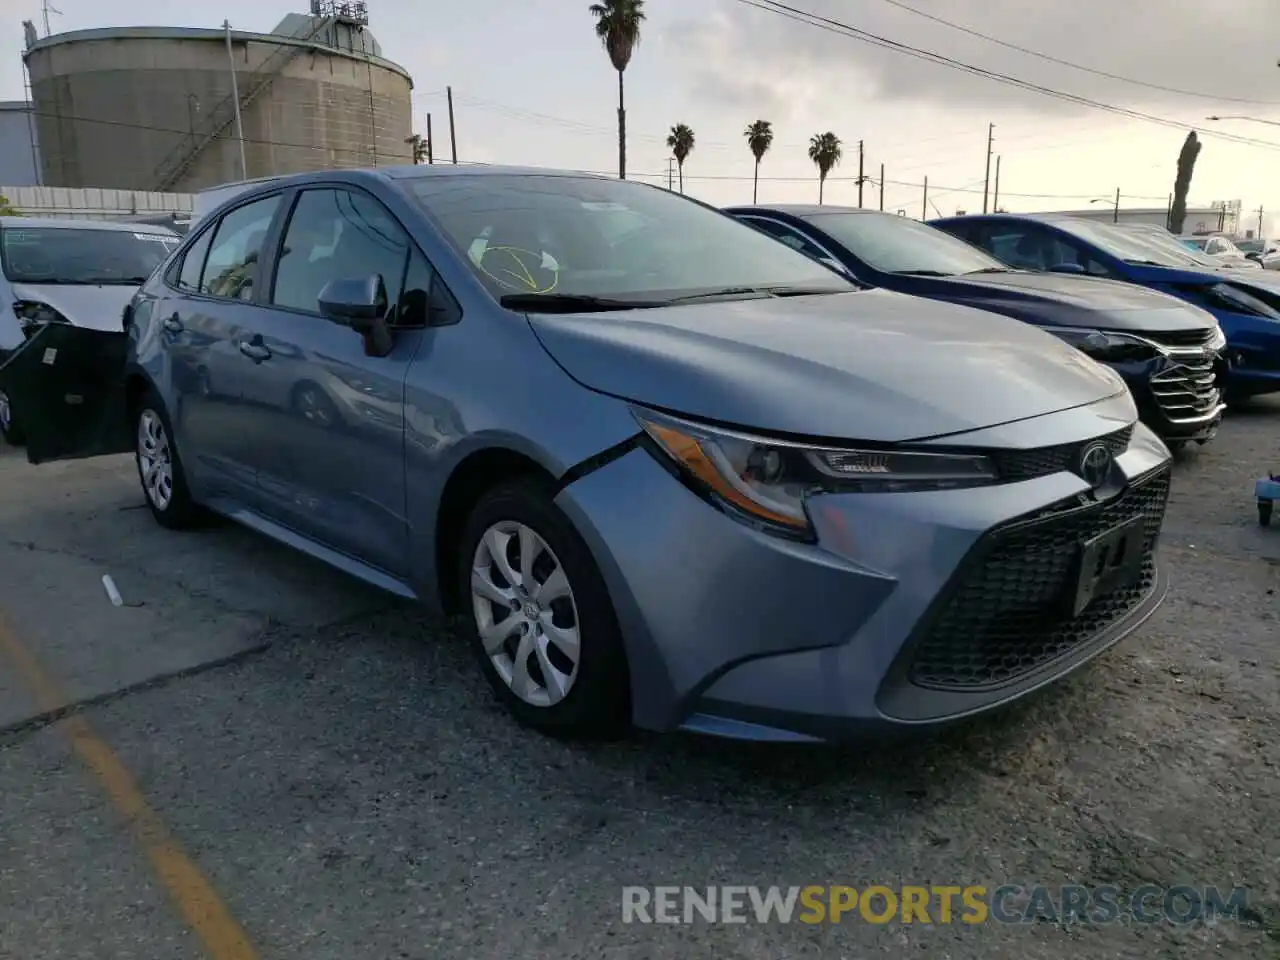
x: 453, y: 136
x: 671, y: 172
x: 1115, y: 216
x: 1260, y: 223
x: 1168, y: 214
x: 924, y: 206
x: 235, y: 97
x: 47, y: 8
x: 861, y: 178
x: 986, y: 184
x: 995, y: 194
x: 882, y: 186
x: 430, y: 159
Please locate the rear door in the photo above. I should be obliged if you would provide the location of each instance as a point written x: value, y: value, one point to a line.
x: 208, y: 324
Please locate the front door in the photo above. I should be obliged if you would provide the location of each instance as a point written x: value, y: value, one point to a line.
x: 330, y: 455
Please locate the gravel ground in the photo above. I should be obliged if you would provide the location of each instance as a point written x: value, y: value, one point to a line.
x: 336, y: 767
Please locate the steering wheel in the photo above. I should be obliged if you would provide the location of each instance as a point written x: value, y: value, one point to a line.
x: 519, y: 269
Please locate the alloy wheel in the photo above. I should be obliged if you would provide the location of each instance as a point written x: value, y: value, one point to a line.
x: 526, y: 613
x: 155, y: 460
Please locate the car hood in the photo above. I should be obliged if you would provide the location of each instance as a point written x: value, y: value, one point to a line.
x: 872, y: 365
x: 95, y: 307
x: 1069, y: 301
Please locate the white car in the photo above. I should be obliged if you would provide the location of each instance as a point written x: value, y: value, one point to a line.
x: 82, y: 272
x: 1265, y: 253
x: 1220, y: 248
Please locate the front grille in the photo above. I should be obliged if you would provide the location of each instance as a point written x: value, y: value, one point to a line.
x: 1187, y: 388
x: 1015, y: 465
x: 1005, y: 616
x: 1181, y: 338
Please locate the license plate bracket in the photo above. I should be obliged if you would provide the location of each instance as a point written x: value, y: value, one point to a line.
x: 1110, y: 561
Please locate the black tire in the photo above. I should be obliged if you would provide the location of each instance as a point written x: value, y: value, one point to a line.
x: 179, y: 512
x: 597, y: 704
x: 1264, y: 512
x: 11, y: 433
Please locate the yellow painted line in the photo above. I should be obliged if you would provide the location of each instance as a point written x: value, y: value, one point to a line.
x: 190, y: 890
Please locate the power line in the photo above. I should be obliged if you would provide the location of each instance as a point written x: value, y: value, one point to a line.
x: 737, y: 178
x: 1075, y: 66
x: 863, y: 36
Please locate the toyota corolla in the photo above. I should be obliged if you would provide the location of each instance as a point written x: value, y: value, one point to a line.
x: 671, y: 472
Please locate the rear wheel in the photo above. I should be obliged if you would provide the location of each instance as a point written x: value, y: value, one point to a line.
x: 8, y: 430
x: 546, y: 636
x: 164, y: 483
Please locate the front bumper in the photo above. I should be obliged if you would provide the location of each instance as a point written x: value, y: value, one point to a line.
x: 733, y: 632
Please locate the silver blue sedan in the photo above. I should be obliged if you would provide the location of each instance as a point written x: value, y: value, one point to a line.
x: 669, y: 471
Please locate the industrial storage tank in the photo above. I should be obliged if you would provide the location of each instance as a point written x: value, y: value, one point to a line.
x: 153, y: 108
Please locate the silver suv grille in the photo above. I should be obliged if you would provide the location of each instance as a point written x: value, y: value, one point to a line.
x: 1187, y: 388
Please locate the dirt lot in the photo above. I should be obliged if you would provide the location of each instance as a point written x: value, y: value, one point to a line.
x: 330, y: 764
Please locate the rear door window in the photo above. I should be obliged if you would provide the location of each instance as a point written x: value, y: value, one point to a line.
x: 231, y: 269
x: 193, y: 263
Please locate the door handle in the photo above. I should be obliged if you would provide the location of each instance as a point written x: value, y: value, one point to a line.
x: 173, y: 324
x: 255, y: 350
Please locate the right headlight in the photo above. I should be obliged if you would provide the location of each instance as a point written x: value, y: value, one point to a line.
x: 765, y: 481
x: 1105, y: 346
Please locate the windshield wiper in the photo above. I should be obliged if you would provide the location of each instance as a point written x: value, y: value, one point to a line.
x: 1148, y: 263
x: 762, y: 292
x: 971, y: 273
x: 572, y: 303
x: 924, y: 273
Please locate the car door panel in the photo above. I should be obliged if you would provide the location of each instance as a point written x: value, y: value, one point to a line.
x: 210, y: 317
x: 331, y: 464
x: 66, y: 387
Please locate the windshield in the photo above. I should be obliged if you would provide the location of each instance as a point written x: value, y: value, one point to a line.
x: 587, y: 237
x: 895, y: 244
x: 1196, y: 243
x: 1249, y: 246
x: 1118, y: 242
x: 77, y: 255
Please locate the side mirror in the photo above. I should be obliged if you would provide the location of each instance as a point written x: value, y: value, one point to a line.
x: 1254, y: 256
x: 1067, y: 268
x: 354, y: 303
x: 360, y: 304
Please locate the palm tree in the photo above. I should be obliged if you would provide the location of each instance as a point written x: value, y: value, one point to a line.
x: 6, y: 210
x: 680, y: 142
x: 759, y: 139
x: 618, y: 27
x: 420, y: 147
x: 825, y: 152
x: 1182, y: 182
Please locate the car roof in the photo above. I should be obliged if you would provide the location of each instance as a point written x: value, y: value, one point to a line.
x: 799, y: 209
x: 60, y: 224
x: 409, y: 172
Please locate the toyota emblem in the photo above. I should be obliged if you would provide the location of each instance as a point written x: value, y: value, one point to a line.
x: 1095, y: 464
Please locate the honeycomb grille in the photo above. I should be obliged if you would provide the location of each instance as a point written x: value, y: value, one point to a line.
x: 1007, y: 617
x: 1015, y: 465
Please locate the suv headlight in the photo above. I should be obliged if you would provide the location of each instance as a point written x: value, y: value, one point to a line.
x: 32, y: 314
x: 1105, y: 346
x: 766, y: 481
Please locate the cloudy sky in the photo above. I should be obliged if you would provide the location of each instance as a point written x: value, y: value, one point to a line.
x: 532, y: 85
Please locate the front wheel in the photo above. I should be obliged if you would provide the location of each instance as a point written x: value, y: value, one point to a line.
x: 547, y: 637
x: 164, y: 483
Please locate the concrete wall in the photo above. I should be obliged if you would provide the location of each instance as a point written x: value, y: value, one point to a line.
x: 17, y: 158
x: 93, y: 204
x: 1198, y: 218
x: 113, y: 107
